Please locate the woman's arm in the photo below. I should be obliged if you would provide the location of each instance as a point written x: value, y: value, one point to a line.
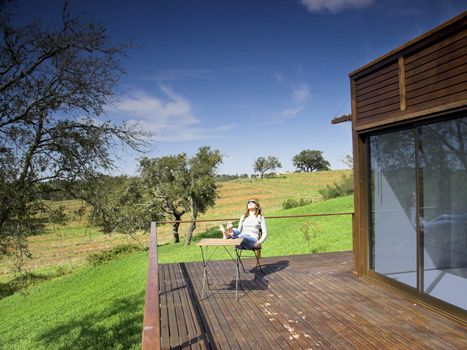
x: 240, y: 224
x: 264, y: 230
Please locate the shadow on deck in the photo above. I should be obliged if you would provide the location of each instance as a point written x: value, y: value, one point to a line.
x: 299, y: 302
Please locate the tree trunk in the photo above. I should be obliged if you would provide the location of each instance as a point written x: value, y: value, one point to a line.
x: 191, y: 230
x: 177, y: 214
x: 194, y: 215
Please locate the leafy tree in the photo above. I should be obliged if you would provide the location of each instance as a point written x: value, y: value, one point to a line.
x: 348, y: 161
x: 182, y: 185
x: 54, y: 84
x: 310, y: 160
x: 202, y: 192
x: 167, y: 179
x: 119, y: 203
x: 264, y: 164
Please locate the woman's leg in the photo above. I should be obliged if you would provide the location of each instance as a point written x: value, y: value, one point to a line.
x: 248, y: 242
x: 235, y: 233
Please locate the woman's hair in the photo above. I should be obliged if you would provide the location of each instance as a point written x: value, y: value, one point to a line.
x: 258, y: 207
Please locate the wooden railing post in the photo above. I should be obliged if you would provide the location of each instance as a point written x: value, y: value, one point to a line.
x: 151, y: 339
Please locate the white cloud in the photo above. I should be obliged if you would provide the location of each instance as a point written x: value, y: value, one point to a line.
x: 291, y: 112
x: 170, y: 118
x: 334, y: 6
x: 300, y: 93
x: 294, y: 104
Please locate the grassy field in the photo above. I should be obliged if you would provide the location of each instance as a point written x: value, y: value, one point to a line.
x: 102, y: 307
x: 286, y: 236
x: 98, y: 308
x: 65, y: 248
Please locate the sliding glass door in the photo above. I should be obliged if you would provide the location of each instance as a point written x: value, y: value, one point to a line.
x: 392, y: 186
x: 443, y: 222
x: 418, y: 208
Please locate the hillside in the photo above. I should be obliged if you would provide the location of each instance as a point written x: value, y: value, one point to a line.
x: 67, y: 247
x: 102, y: 307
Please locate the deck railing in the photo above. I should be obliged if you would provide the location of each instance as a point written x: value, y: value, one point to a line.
x: 151, y: 322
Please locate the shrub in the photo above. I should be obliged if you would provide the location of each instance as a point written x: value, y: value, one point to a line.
x: 111, y: 254
x: 342, y: 188
x: 294, y: 203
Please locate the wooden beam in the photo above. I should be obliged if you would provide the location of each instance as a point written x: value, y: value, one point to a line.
x: 342, y: 118
x: 266, y: 217
x: 402, y: 85
x: 151, y: 339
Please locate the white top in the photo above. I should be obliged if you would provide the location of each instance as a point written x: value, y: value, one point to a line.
x: 251, y: 225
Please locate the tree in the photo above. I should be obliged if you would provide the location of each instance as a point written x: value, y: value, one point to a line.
x: 54, y: 85
x: 310, y: 160
x: 202, y: 192
x: 348, y: 161
x: 264, y: 164
x: 183, y: 184
x: 119, y: 203
x: 167, y: 180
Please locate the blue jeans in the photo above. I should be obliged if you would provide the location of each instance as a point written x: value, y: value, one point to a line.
x: 248, y: 241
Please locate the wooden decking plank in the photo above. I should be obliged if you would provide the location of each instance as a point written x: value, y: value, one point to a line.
x: 342, y: 309
x: 182, y: 310
x: 199, y: 319
x: 180, y: 294
x: 239, y: 331
x: 279, y: 313
x: 411, y: 333
x: 272, y: 330
x: 173, y: 328
x: 316, y: 295
x: 196, y: 331
x: 358, y: 327
x: 216, y: 322
x: 353, y: 325
x: 226, y: 300
x: 320, y: 328
x: 178, y: 329
x: 326, y: 329
x: 165, y: 335
x: 245, y: 314
x: 378, y: 321
x: 281, y: 333
x: 337, y: 323
x: 309, y: 335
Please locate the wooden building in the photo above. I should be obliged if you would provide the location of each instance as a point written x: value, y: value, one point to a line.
x: 409, y: 127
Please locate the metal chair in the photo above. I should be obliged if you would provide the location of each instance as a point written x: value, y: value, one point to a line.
x: 256, y: 250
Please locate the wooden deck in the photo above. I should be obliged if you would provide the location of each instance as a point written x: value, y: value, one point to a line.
x: 299, y: 302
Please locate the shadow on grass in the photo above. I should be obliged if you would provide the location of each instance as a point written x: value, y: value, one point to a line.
x: 22, y: 282
x: 117, y: 327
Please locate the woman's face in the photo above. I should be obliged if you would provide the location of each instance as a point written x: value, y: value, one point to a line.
x: 251, y: 205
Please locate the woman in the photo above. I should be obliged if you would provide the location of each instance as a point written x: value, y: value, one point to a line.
x: 252, y: 223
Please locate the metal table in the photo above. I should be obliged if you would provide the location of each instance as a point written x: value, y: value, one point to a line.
x: 205, y: 243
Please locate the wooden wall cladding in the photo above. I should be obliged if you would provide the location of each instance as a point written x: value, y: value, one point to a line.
x: 437, y: 74
x: 412, y: 82
x: 377, y: 94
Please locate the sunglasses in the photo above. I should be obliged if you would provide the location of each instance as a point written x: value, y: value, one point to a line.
x: 251, y: 202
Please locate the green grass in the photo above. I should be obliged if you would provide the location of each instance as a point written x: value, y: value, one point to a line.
x: 285, y: 236
x: 98, y: 308
x: 102, y: 307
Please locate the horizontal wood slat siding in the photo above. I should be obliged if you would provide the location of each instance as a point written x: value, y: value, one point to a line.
x: 434, y: 75
x: 370, y: 102
x: 437, y: 73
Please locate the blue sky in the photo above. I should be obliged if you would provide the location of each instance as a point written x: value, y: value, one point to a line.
x: 250, y: 78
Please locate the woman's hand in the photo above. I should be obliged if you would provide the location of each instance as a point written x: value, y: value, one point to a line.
x: 257, y: 245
